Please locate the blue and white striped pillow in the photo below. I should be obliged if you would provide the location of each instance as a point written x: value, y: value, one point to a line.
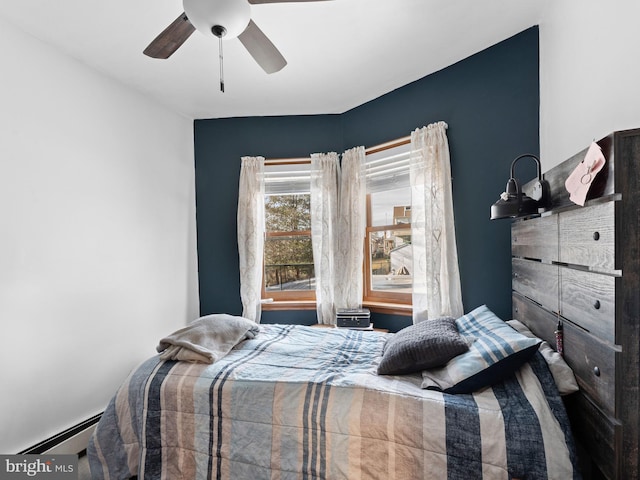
x: 496, y: 351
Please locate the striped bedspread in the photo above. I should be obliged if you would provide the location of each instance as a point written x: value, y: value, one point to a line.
x: 305, y: 403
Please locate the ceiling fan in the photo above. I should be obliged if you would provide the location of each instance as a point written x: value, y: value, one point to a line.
x: 222, y: 18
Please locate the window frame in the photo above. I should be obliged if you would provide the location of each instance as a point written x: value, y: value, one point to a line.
x: 377, y: 296
x: 377, y: 301
x: 384, y: 301
x: 287, y: 299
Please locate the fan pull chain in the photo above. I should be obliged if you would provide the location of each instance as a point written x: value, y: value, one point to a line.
x: 219, y: 31
x: 221, y: 64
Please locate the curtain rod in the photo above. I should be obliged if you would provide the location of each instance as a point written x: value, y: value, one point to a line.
x: 391, y: 144
x: 287, y: 161
x: 376, y: 148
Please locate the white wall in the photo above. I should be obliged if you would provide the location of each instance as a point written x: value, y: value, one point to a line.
x: 589, y: 74
x: 97, y: 240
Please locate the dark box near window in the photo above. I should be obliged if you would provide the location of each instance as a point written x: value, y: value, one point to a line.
x: 353, y: 317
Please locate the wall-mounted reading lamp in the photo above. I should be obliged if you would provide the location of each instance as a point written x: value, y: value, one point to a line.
x: 513, y: 203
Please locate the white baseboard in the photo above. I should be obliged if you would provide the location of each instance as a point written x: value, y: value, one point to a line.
x: 72, y: 441
x: 73, y: 445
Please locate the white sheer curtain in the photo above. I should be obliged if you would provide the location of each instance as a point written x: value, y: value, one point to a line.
x: 436, y: 277
x: 351, y: 230
x: 324, y: 208
x: 251, y: 235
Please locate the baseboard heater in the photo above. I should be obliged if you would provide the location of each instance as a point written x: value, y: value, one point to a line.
x: 73, y: 440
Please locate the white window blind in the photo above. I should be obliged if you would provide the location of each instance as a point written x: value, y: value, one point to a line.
x: 287, y: 178
x: 385, y: 170
x: 388, y: 169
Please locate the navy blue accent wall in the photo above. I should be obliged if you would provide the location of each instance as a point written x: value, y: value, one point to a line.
x: 219, y: 144
x: 490, y: 102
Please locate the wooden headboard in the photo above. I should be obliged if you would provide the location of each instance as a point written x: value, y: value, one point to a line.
x: 581, y: 266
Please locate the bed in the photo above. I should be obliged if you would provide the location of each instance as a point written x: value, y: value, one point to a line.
x: 298, y: 402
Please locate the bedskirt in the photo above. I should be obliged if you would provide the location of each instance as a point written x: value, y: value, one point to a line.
x: 303, y: 403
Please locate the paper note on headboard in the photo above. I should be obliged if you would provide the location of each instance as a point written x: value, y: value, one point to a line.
x: 580, y: 180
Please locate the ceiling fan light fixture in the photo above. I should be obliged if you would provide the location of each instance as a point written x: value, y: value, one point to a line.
x: 233, y: 15
x: 221, y: 18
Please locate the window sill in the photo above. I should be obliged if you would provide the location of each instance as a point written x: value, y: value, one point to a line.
x: 378, y: 307
x: 289, y: 305
x: 389, y: 308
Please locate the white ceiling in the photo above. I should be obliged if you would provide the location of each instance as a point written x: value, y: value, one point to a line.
x: 340, y: 53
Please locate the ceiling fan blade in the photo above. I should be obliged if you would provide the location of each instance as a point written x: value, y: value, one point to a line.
x: 170, y: 39
x: 261, y: 49
x: 257, y: 2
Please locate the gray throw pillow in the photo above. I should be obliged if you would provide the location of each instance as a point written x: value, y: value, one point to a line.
x: 495, y: 352
x: 428, y: 344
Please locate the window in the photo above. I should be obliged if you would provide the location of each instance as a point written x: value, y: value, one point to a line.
x: 411, y: 262
x: 288, y: 257
x: 388, y: 249
x: 289, y: 274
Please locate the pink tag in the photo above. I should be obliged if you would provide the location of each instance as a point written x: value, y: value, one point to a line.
x: 580, y: 180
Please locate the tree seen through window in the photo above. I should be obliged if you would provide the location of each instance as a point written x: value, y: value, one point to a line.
x: 288, y: 255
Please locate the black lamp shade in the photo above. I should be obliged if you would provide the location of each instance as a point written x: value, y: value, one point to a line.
x: 516, y: 206
x: 513, y: 203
